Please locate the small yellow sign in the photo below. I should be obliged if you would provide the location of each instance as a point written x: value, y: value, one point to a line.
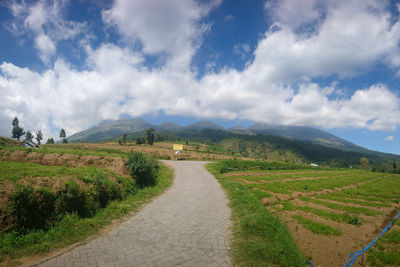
x: 178, y: 147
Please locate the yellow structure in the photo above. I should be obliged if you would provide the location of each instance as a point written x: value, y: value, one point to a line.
x: 178, y: 147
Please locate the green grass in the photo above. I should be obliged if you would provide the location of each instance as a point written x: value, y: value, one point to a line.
x: 313, y: 185
x: 259, y: 238
x: 386, y: 251
x: 340, y: 218
x: 69, y: 149
x: 353, y: 201
x: 260, y: 194
x: 315, y: 227
x: 15, y: 171
x: 72, y: 229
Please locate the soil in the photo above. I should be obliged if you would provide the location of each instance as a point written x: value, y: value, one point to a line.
x: 329, y: 250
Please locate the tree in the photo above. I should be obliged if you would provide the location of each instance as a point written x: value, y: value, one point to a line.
x: 39, y: 137
x: 394, y: 164
x: 17, y: 131
x: 28, y: 136
x: 140, y: 140
x: 364, y: 163
x: 150, y: 136
x: 63, y: 135
x: 124, y: 139
x: 50, y: 140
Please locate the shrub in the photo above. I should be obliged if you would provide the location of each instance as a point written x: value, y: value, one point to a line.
x: 143, y: 169
x: 106, y: 191
x: 46, y: 200
x: 72, y: 198
x: 32, y: 209
x: 23, y: 204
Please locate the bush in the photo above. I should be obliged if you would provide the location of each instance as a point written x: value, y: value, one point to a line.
x: 23, y: 206
x: 106, y: 191
x: 32, y: 210
x: 46, y: 200
x: 143, y: 169
x: 72, y: 198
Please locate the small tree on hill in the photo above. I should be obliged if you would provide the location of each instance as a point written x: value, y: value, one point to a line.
x: 50, y: 140
x: 150, y: 136
x: 394, y: 164
x: 364, y: 163
x: 17, y: 131
x: 28, y: 136
x: 63, y: 135
x: 39, y: 137
x: 124, y: 139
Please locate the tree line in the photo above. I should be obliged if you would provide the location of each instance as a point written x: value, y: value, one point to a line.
x: 17, y: 132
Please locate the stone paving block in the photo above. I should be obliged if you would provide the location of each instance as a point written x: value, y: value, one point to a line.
x: 189, y: 225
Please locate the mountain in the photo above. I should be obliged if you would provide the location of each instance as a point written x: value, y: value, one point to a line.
x: 201, y: 125
x: 310, y: 134
x: 272, y: 142
x: 169, y: 126
x: 109, y: 129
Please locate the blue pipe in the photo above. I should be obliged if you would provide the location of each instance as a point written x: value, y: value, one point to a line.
x: 353, y: 256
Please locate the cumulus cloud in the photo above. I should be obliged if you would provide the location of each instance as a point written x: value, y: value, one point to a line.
x: 276, y: 87
x: 45, y: 20
x: 160, y: 26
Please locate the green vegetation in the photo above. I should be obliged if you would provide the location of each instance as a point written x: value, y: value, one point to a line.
x: 385, y: 252
x: 72, y: 228
x: 335, y: 206
x: 143, y: 169
x: 62, y: 149
x: 345, y: 217
x: 315, y: 227
x: 244, y: 165
x: 259, y: 238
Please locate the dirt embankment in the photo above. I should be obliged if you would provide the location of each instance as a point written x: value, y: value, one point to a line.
x: 114, y: 164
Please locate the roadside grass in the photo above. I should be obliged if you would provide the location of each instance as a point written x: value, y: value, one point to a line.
x: 259, y: 238
x: 72, y: 228
x: 315, y: 227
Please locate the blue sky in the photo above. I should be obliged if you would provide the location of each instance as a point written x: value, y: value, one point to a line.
x: 334, y: 65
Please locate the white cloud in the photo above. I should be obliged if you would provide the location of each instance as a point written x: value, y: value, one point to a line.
x: 45, y: 19
x: 277, y: 87
x: 389, y: 138
x: 293, y: 12
x: 241, y: 49
x: 161, y: 26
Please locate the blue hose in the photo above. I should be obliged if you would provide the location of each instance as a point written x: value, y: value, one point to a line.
x: 353, y: 256
x: 310, y: 263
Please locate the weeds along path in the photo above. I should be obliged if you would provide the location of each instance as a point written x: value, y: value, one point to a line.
x: 188, y: 226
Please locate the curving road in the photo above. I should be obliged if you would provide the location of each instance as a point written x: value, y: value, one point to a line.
x: 186, y: 226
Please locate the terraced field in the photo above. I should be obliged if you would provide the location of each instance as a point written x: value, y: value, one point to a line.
x: 332, y: 213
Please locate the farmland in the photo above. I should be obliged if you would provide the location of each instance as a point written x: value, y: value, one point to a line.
x: 330, y: 212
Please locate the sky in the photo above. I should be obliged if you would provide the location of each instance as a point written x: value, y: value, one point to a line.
x: 333, y: 65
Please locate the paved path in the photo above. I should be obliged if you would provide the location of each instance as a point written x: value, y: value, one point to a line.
x: 186, y: 226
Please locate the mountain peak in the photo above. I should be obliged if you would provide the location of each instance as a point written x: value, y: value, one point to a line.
x: 201, y: 125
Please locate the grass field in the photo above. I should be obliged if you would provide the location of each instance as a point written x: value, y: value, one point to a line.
x: 329, y: 212
x: 96, y: 173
